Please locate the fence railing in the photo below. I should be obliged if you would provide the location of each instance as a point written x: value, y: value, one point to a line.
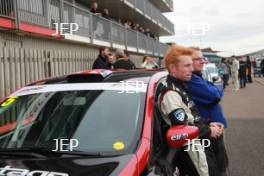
x: 170, y: 3
x: 49, y: 12
x: 154, y: 13
x: 21, y: 66
x: 7, y: 8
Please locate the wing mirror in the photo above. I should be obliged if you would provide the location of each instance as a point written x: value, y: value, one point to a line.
x: 178, y: 135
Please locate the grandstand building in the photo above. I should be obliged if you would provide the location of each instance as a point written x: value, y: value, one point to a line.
x: 43, y: 38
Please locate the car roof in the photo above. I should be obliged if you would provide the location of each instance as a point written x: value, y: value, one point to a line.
x: 100, y: 76
x: 95, y: 80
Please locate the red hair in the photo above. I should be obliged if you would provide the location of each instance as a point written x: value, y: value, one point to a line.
x: 174, y: 52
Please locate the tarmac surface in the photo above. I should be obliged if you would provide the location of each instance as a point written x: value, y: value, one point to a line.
x: 244, y: 137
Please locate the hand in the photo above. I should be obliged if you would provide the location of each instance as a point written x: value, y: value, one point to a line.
x: 215, y: 131
x: 217, y: 124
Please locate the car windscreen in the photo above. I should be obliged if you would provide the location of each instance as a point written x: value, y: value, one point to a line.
x: 100, y: 120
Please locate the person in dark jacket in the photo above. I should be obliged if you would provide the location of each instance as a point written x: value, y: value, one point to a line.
x: 262, y: 67
x: 207, y: 97
x: 249, y: 71
x: 242, y: 73
x: 123, y: 61
x: 102, y: 60
x: 225, y: 73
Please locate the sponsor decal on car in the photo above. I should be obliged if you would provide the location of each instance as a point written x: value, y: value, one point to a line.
x: 9, y: 171
x: 9, y: 101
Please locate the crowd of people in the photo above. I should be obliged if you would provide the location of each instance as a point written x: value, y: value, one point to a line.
x: 121, y: 60
x: 127, y: 23
x: 135, y: 26
x: 240, y: 70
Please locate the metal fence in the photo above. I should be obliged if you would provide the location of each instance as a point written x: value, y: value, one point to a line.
x: 20, y: 66
x: 131, y: 38
x: 51, y: 13
x: 153, y: 12
x: 142, y: 44
x: 141, y: 5
x: 7, y: 8
x: 170, y: 3
x: 118, y: 34
x: 146, y: 7
x: 32, y: 12
x: 84, y: 20
x: 101, y: 28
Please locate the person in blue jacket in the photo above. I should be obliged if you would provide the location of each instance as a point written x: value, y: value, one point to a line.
x: 207, y: 97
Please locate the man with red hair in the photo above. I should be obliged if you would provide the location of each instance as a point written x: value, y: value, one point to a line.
x: 179, y: 109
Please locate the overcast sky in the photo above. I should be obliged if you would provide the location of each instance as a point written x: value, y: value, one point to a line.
x: 232, y: 26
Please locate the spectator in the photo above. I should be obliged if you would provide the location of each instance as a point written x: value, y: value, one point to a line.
x: 123, y: 61
x: 135, y: 26
x: 262, y: 67
x: 111, y: 60
x: 147, y: 32
x: 102, y: 61
x: 94, y: 8
x: 128, y: 57
x: 149, y: 63
x: 106, y: 14
x: 229, y: 65
x: 127, y: 24
x: 249, y: 71
x: 152, y: 35
x: 242, y: 73
x: 225, y: 72
x: 141, y: 29
x: 234, y: 73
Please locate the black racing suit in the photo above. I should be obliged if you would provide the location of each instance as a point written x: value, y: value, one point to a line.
x: 179, y: 109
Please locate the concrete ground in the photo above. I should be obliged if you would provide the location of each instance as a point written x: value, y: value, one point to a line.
x: 244, y: 111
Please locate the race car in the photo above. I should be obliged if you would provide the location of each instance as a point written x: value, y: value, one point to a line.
x: 94, y: 122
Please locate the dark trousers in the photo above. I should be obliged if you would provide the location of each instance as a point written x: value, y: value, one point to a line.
x: 249, y: 78
x: 225, y: 80
x: 220, y: 152
x: 186, y: 166
x: 242, y: 81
